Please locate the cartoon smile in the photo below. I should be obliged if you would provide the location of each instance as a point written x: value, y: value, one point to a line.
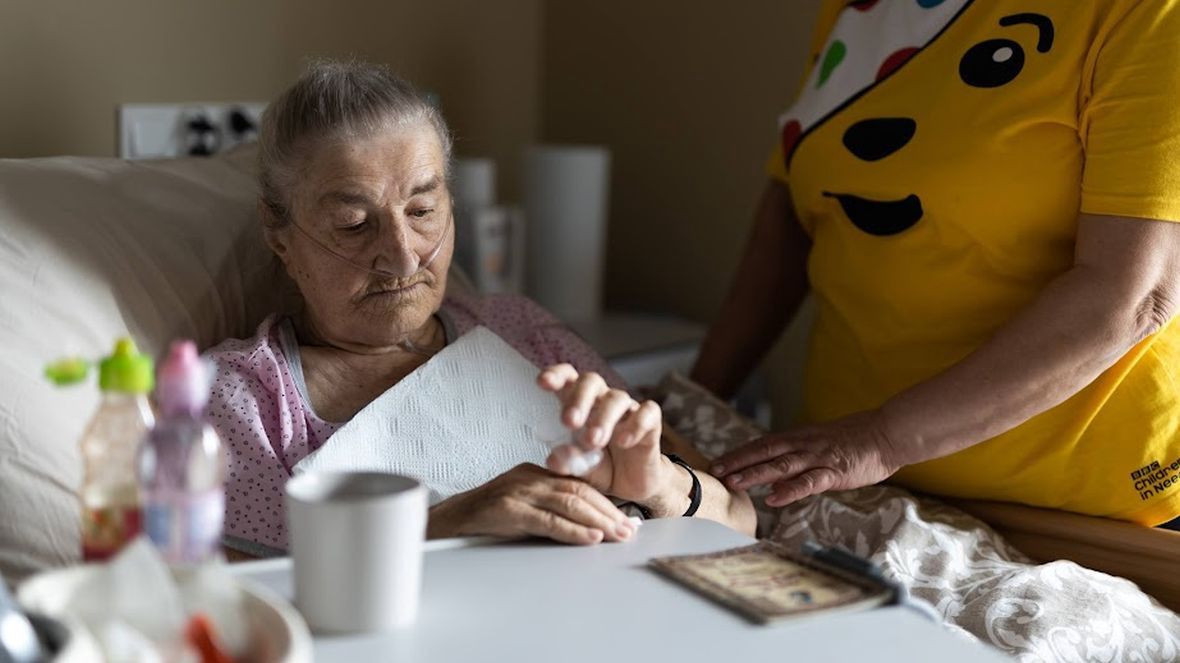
x: 880, y: 217
x: 870, y: 140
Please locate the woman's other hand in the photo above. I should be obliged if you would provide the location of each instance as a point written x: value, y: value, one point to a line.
x: 625, y: 431
x: 531, y: 501
x: 847, y: 453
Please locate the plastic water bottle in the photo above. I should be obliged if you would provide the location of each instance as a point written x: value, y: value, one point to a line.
x: 182, y: 464
x: 109, y: 494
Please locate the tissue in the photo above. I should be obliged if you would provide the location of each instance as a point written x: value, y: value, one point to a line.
x: 469, y: 414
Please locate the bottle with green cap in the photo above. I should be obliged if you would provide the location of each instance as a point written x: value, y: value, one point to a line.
x: 110, y: 495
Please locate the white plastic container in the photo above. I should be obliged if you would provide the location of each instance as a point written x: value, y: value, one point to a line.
x: 567, y: 196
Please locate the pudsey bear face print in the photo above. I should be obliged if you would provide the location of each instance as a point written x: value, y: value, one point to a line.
x: 848, y: 108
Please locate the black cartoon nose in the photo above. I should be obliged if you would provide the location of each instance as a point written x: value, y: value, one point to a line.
x: 878, y: 137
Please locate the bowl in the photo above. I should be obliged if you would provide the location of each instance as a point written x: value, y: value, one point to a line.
x: 277, y: 632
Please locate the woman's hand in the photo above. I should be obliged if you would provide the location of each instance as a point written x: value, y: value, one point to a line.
x: 847, y: 453
x: 531, y: 501
x: 625, y: 431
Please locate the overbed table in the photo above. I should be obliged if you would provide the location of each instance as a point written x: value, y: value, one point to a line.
x: 538, y: 601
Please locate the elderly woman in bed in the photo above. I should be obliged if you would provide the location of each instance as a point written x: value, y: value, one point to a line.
x: 354, y: 167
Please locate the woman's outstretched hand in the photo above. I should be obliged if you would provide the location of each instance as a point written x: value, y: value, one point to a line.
x: 847, y: 453
x: 625, y: 431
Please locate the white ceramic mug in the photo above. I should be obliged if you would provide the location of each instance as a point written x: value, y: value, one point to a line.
x: 356, y: 540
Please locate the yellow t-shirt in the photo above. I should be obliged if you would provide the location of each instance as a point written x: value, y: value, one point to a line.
x: 938, y: 155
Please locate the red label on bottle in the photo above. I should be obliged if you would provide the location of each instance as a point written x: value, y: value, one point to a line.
x: 106, y: 530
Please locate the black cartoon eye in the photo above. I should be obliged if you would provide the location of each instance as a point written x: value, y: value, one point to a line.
x: 991, y: 63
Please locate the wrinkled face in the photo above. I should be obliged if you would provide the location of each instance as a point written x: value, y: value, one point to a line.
x: 373, y: 243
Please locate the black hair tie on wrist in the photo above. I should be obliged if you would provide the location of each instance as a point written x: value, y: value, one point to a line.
x: 694, y: 498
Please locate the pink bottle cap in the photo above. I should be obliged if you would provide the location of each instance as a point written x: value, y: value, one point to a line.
x: 183, y: 385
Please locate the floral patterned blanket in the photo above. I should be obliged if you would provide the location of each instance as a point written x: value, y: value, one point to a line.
x: 981, y: 586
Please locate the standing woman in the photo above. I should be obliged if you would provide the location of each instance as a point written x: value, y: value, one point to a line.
x: 982, y: 197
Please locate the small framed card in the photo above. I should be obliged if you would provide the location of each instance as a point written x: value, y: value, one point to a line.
x: 768, y: 582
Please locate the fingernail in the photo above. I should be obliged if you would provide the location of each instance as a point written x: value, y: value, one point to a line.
x: 636, y: 522
x: 718, y: 468
x: 733, y: 479
x: 593, y: 436
x: 624, y: 531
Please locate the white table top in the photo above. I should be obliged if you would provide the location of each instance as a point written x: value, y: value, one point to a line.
x: 539, y: 601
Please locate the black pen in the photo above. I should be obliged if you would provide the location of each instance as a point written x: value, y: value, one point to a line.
x: 841, y: 559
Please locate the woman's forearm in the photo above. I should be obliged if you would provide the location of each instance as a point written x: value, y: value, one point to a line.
x: 443, y: 520
x: 767, y: 290
x: 718, y: 502
x: 1079, y: 326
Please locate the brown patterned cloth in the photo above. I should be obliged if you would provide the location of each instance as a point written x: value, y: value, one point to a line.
x: 981, y: 586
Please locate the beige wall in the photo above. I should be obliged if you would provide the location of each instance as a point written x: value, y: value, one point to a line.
x: 686, y: 99
x: 686, y: 95
x: 66, y: 64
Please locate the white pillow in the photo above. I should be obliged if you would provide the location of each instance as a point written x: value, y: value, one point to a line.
x: 91, y: 249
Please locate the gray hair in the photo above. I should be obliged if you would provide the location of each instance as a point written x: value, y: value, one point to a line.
x: 335, y: 99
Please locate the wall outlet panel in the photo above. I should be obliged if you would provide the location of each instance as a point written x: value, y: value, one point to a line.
x: 155, y: 131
